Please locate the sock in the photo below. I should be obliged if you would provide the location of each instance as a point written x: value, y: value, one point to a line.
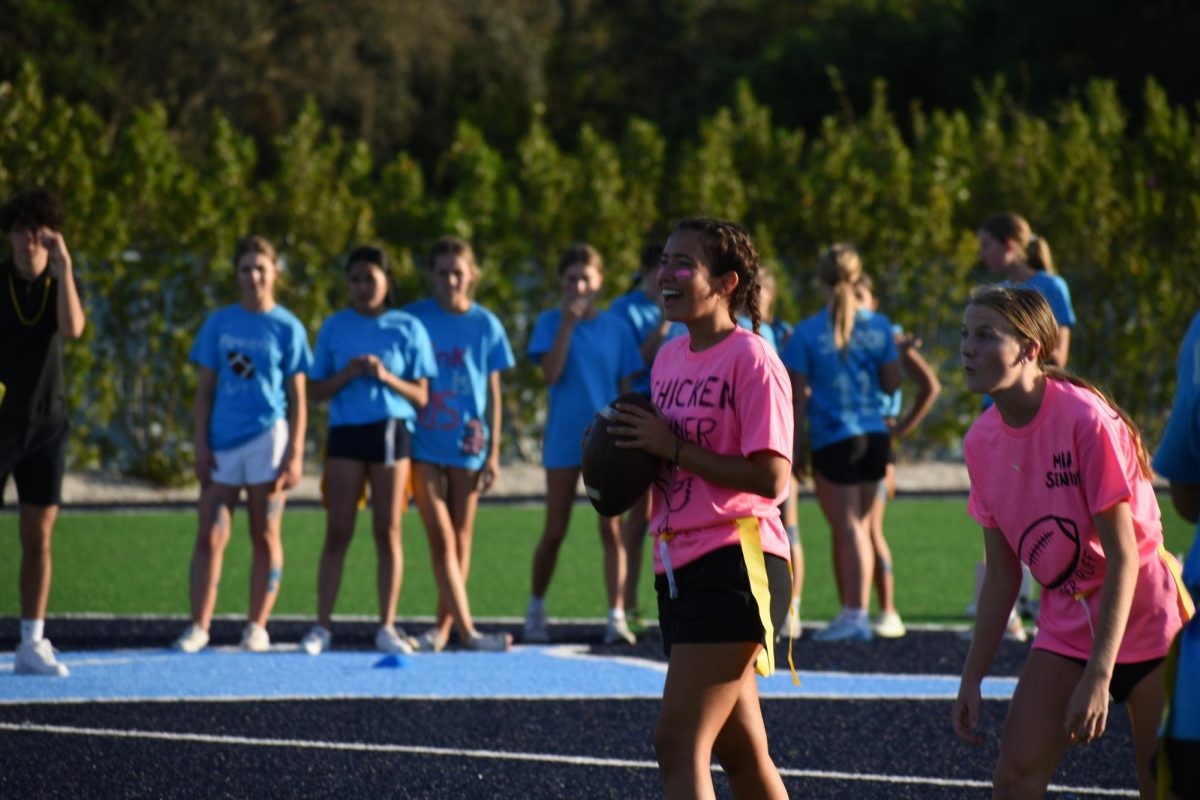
x: 537, y: 605
x: 32, y: 630
x: 793, y: 534
x: 856, y: 615
x: 616, y: 614
x: 794, y: 606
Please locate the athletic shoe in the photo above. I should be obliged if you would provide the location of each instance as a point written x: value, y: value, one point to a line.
x: 1015, y: 631
x: 255, y: 638
x: 618, y: 632
x: 844, y: 629
x: 430, y: 642
x: 490, y: 642
x: 536, y: 631
x: 192, y: 640
x: 888, y: 625
x: 37, y: 658
x: 317, y: 640
x: 790, y: 629
x: 637, y: 623
x: 393, y: 640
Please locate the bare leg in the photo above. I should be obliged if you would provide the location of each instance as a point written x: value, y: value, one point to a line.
x: 791, y: 521
x: 1034, y: 741
x: 633, y: 537
x: 388, y: 484
x: 560, y: 494
x: 343, y: 484
x: 885, y: 581
x: 1145, y: 704
x: 37, y: 528
x: 845, y: 507
x: 705, y: 683
x: 614, y: 561
x: 266, y: 567
x: 431, y: 488
x: 217, y: 501
x: 741, y: 747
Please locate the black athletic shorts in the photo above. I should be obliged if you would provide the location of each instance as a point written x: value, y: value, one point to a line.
x: 384, y: 442
x: 715, y: 603
x: 859, y: 459
x: 37, y: 460
x: 1125, y: 676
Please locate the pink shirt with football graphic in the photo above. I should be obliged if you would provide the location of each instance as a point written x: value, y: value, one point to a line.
x: 734, y: 398
x: 1041, y: 485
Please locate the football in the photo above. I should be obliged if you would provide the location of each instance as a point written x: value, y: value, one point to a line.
x: 615, y: 477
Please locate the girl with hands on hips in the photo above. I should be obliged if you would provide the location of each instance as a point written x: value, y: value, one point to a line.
x: 1060, y: 481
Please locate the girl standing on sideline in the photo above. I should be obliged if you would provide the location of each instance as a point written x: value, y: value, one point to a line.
x: 373, y: 364
x: 721, y: 559
x: 888, y: 623
x: 1060, y: 481
x: 587, y: 358
x: 250, y: 417
x: 456, y: 452
x: 845, y: 355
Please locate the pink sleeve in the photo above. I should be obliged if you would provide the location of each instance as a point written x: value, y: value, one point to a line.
x: 1105, y: 456
x: 764, y: 408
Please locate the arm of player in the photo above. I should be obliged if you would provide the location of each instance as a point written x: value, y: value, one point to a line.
x: 1087, y: 710
x: 554, y: 360
x: 69, y: 309
x: 928, y: 386
x: 800, y: 395
x: 321, y: 390
x: 292, y: 468
x: 1001, y: 581
x: 490, y: 472
x: 414, y: 391
x: 1186, y: 499
x: 763, y: 473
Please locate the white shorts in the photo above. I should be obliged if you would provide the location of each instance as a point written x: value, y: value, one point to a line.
x: 255, y: 461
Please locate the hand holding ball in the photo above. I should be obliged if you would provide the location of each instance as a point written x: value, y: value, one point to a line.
x: 615, y: 477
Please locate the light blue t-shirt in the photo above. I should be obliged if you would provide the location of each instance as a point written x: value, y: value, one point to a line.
x: 845, y: 388
x: 643, y: 315
x: 601, y: 354
x: 1178, y: 460
x: 252, y: 353
x: 1055, y: 290
x: 783, y: 332
x: 401, y: 343
x: 453, y: 428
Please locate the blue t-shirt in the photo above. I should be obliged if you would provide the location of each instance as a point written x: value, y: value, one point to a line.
x: 400, y: 342
x: 783, y: 332
x: 453, y: 428
x: 602, y: 353
x: 643, y: 315
x: 252, y: 353
x: 845, y: 389
x: 1178, y: 460
x: 890, y: 403
x: 1055, y: 290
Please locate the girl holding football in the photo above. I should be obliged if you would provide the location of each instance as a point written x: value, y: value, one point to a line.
x: 721, y: 553
x: 1060, y: 481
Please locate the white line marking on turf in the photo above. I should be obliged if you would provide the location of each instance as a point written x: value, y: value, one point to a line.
x: 500, y: 755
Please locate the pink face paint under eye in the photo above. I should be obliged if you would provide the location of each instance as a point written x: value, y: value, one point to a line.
x: 681, y: 274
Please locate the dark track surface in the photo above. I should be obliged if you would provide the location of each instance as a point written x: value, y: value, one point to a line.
x: 424, y: 741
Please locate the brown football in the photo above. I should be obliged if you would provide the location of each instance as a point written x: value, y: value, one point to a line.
x: 615, y: 477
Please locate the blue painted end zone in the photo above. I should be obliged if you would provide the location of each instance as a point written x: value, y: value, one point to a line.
x: 528, y: 672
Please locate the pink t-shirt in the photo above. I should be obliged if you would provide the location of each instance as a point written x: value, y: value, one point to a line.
x: 1041, y: 485
x: 734, y: 398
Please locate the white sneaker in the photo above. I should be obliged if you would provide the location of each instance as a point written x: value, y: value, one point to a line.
x: 393, y: 640
x: 192, y: 640
x: 536, y: 631
x: 888, y: 625
x: 317, y: 640
x: 490, y: 643
x: 844, y: 629
x: 255, y: 638
x: 1015, y: 631
x: 790, y: 629
x: 618, y: 632
x: 430, y: 642
x: 37, y: 658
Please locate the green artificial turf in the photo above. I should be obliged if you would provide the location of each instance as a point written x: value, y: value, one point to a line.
x: 137, y: 563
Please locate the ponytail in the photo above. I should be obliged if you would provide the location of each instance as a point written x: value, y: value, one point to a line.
x: 839, y: 268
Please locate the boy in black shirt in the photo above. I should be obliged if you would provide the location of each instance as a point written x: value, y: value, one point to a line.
x: 39, y: 305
